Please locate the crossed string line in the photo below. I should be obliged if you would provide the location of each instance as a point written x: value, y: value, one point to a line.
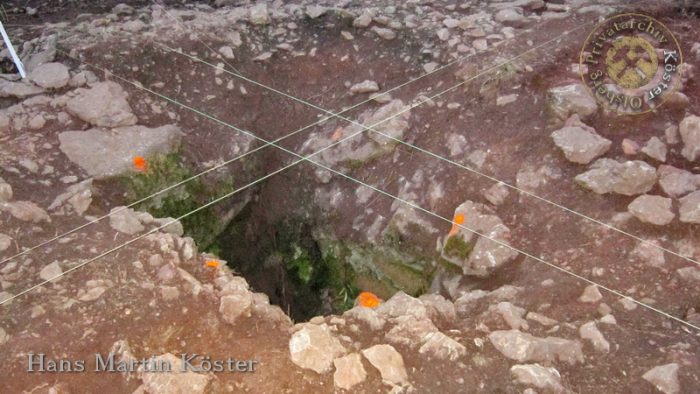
x: 250, y: 152
x: 423, y: 150
x: 308, y: 159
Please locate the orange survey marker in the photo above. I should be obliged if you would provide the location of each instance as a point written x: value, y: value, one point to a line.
x: 368, y: 300
x: 212, y: 264
x: 459, y: 219
x: 140, y: 163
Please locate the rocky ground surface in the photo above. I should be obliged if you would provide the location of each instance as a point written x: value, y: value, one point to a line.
x: 503, y: 152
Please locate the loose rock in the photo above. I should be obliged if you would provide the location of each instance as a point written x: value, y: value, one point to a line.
x: 363, y: 20
x: 384, y: 33
x: 571, y: 99
x: 176, y: 381
x: 689, y: 208
x: 511, y: 17
x: 5, y: 242
x: 652, y: 209
x: 580, y: 143
x: 102, y: 153
x: 609, y: 176
x: 92, y: 294
x: 314, y: 347
x: 25, y: 211
x: 125, y: 220
x: 50, y: 271
x: 477, y: 255
x: 497, y: 194
x: 18, y: 89
x: 656, y: 149
x: 664, y: 378
x: 236, y: 305
x: 5, y: 191
x: 591, y: 294
x: 676, y: 182
x: 348, y: 371
x: 78, y: 196
x: 389, y: 363
x: 439, y: 345
x: 538, y: 376
x: 104, y: 104
x: 522, y: 347
x: 364, y: 87
x: 590, y: 332
x: 402, y: 304
x: 690, y: 134
x: 259, y: 14
x: 50, y: 75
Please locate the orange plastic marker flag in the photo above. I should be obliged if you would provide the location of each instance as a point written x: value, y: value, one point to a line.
x: 212, y: 264
x: 459, y: 219
x: 140, y: 163
x: 368, y: 300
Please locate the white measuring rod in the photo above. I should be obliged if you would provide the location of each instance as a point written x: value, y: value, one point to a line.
x: 15, y: 58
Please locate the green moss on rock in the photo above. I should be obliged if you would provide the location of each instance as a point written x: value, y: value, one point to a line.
x: 455, y: 246
x: 165, y: 170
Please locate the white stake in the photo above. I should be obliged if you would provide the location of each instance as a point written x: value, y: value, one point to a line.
x: 15, y: 58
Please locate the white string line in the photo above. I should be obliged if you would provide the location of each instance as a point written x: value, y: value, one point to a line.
x: 447, y: 160
x: 166, y: 98
x: 308, y: 158
x: 320, y: 121
x: 173, y: 101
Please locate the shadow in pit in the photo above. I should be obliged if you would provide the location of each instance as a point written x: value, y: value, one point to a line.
x: 283, y: 260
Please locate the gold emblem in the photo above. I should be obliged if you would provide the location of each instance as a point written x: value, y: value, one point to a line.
x: 631, y: 62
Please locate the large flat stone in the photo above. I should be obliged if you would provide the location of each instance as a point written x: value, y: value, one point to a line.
x: 104, y: 105
x: 104, y: 153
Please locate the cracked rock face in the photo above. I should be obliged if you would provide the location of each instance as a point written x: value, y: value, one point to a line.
x: 486, y: 255
x: 610, y: 176
x: 103, y: 105
x: 104, y: 153
x: 314, y: 347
